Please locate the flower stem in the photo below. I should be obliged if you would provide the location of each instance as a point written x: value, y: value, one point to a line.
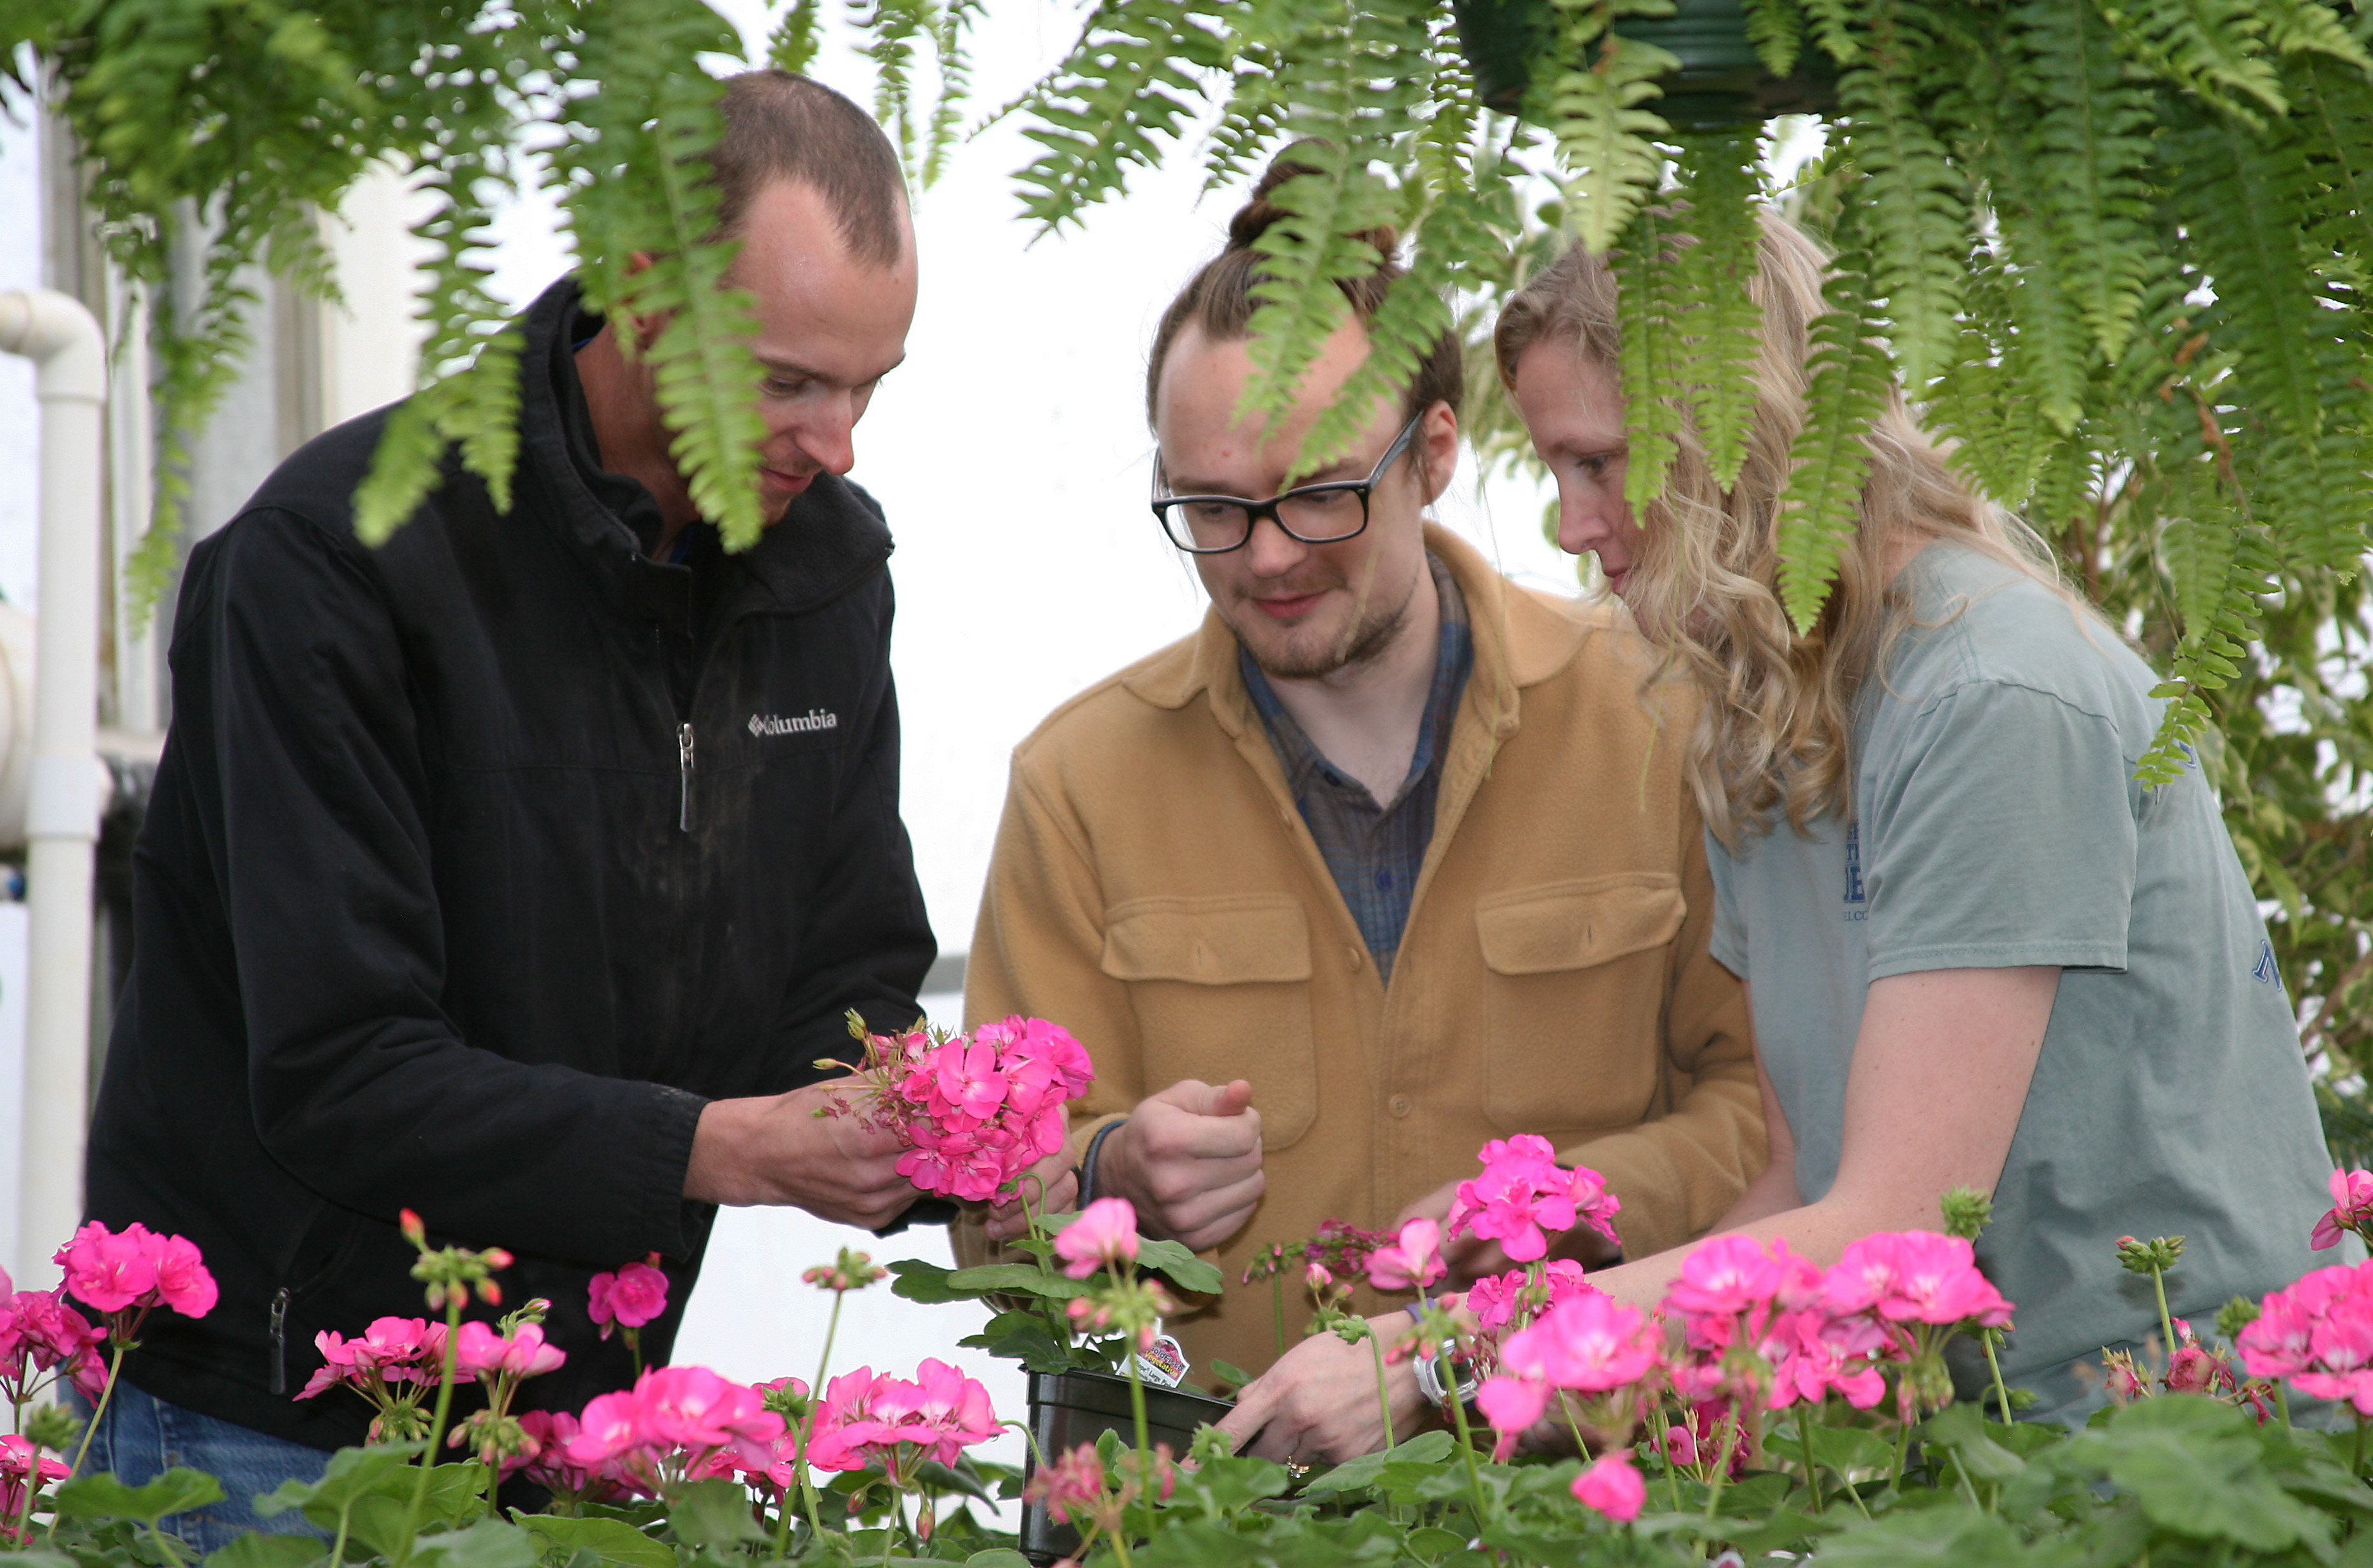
x: 436, y: 1429
x: 2166, y: 1324
x: 1986, y: 1338
x: 807, y: 1427
x: 2282, y: 1403
x: 1812, y: 1466
x: 1662, y: 1428
x: 1384, y: 1398
x: 2356, y: 1464
x: 1466, y: 1444
x: 1731, y: 1426
x: 1144, y: 1449
x: 98, y: 1412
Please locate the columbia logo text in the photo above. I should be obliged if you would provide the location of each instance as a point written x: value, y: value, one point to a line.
x: 799, y: 724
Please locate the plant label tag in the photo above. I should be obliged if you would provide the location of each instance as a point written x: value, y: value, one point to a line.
x: 1163, y: 1363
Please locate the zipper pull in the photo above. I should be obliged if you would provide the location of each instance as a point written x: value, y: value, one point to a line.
x: 280, y: 1341
x: 684, y: 773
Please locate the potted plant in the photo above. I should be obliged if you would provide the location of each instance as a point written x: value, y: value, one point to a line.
x: 1083, y: 1333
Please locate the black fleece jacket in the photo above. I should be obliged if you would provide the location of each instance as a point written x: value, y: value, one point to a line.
x: 477, y: 864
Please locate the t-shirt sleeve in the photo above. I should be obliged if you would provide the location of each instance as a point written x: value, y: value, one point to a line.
x: 1999, y: 831
x: 1727, y: 941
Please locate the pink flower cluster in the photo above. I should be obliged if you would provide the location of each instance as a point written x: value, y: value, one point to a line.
x: 41, y: 1335
x: 975, y: 1111
x: 480, y: 1353
x: 629, y: 1298
x: 1524, y: 1194
x: 2319, y: 1334
x: 677, y: 1424
x: 2352, y: 1209
x: 936, y: 1415
x: 392, y: 1351
x: 136, y: 1270
x: 1757, y: 1322
x: 544, y: 1459
x: 19, y: 1458
x: 1612, y: 1487
x: 1495, y: 1301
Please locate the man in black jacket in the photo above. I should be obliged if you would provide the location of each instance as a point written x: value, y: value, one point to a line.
x: 516, y: 871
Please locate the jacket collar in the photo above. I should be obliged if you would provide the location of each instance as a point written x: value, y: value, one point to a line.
x: 832, y: 536
x: 1519, y: 642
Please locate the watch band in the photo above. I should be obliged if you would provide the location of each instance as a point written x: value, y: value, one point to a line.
x: 1088, y: 1161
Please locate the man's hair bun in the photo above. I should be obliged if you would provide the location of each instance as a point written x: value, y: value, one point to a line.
x: 1254, y: 218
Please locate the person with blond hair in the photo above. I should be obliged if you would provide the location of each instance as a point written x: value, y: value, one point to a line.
x: 1979, y: 951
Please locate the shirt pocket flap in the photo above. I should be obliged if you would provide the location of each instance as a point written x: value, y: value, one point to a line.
x: 1573, y: 925
x: 1242, y: 939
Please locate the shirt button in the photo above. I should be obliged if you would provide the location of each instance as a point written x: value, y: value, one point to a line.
x: 1399, y: 1105
x: 1354, y: 957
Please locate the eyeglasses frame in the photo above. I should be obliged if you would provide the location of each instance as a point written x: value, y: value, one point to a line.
x: 1256, y: 510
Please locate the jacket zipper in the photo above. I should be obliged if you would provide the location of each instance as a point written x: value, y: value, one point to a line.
x: 280, y: 1341
x: 684, y: 773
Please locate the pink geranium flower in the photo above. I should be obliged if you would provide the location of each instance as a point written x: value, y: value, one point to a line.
x: 127, y: 1275
x: 632, y: 1296
x: 1914, y: 1277
x: 974, y: 1112
x: 1586, y: 1344
x: 1412, y: 1262
x: 1495, y: 1301
x: 20, y: 1460
x: 1612, y: 1487
x: 481, y: 1352
x: 1105, y: 1232
x: 1523, y: 1195
x: 843, y: 1421
x: 942, y: 1413
x: 2352, y: 1209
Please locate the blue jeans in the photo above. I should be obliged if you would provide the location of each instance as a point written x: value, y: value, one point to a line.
x: 143, y: 1436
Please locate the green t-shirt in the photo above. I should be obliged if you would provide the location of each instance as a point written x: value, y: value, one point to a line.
x: 1997, y: 823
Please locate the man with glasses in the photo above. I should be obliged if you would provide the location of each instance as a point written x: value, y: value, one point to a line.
x: 1389, y: 858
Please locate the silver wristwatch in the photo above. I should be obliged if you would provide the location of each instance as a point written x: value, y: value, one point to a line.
x: 1429, y: 1381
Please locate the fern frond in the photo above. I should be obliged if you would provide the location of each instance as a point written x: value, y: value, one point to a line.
x: 1916, y: 202
x: 953, y: 52
x: 2213, y: 651
x: 1135, y: 79
x: 1720, y: 324
x: 1820, y: 507
x: 1604, y: 138
x: 1776, y: 28
x: 1833, y: 29
x: 2090, y: 145
x: 792, y: 45
x: 891, y: 29
x: 2311, y: 26
x: 1650, y: 304
x: 2214, y: 49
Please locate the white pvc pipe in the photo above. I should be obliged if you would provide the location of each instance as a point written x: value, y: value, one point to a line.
x: 61, y: 815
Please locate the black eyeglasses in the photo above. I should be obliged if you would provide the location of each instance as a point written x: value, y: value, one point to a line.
x: 1312, y: 514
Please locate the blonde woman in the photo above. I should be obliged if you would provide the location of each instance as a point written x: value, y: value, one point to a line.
x: 1978, y: 952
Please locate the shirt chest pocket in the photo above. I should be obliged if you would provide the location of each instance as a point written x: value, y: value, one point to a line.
x: 1221, y: 987
x: 1573, y: 1001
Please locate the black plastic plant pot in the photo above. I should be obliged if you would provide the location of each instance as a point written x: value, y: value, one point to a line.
x: 1721, y: 81
x: 1068, y: 1409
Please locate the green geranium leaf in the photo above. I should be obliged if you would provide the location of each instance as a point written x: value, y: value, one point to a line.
x: 923, y: 1281
x: 1357, y: 1475
x: 489, y: 1543
x: 714, y: 1513
x: 2194, y: 1467
x: 1020, y: 1279
x: 178, y: 1490
x: 259, y: 1550
x: 1962, y: 1431
x: 612, y: 1540
x: 351, y: 1473
x: 1956, y: 1535
x: 1183, y: 1269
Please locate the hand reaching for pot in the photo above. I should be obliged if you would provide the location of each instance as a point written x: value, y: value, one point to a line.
x: 1319, y: 1403
x: 1189, y: 1159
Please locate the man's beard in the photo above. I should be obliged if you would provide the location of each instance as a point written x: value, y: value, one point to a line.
x: 1370, y: 636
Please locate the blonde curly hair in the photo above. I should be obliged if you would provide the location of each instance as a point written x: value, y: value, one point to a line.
x: 1775, y: 732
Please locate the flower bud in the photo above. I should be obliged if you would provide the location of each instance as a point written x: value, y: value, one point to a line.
x: 414, y: 1231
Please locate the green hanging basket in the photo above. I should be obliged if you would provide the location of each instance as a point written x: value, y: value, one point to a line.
x: 1722, y: 82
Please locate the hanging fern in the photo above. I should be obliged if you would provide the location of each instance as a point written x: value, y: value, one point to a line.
x: 1720, y: 323
x: 1604, y: 138
x: 1821, y: 505
x: 1651, y: 304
